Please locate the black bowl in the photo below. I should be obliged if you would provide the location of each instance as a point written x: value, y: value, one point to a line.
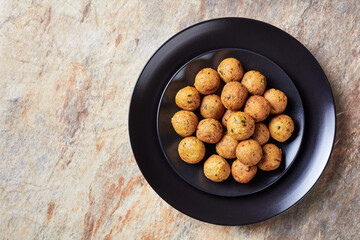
x: 169, y: 139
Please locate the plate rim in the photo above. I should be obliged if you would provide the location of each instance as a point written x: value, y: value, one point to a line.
x: 333, y: 108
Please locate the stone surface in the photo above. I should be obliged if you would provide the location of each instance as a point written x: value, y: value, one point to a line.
x: 67, y: 71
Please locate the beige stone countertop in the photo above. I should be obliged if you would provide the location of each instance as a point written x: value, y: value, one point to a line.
x: 67, y: 72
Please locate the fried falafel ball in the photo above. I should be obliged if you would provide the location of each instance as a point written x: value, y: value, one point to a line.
x: 211, y: 107
x: 277, y: 100
x: 257, y: 107
x: 249, y: 152
x: 234, y: 95
x: 209, y: 130
x: 281, y: 127
x: 216, y: 168
x: 241, y: 172
x: 240, y: 125
x: 230, y: 69
x: 191, y: 150
x: 207, y: 81
x: 188, y: 98
x: 226, y: 147
x: 184, y: 123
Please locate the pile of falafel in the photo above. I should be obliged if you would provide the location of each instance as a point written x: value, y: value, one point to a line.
x: 242, y: 107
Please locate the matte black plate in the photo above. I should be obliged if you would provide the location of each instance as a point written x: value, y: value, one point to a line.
x: 300, y: 66
x: 169, y: 140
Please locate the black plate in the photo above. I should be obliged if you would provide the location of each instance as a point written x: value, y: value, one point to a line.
x: 169, y: 140
x: 308, y: 78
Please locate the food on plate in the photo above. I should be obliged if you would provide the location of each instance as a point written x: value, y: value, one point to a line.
x: 234, y: 95
x: 243, y: 105
x: 191, y: 150
x: 242, y: 173
x: 257, y: 107
x: 261, y: 134
x: 209, y: 130
x: 281, y: 127
x: 188, y: 98
x: 216, y: 168
x: 277, y: 100
x: 211, y: 107
x: 207, y: 81
x: 226, y: 147
x: 230, y: 69
x: 240, y: 125
x: 255, y: 82
x: 249, y: 152
x: 271, y: 157
x: 184, y: 123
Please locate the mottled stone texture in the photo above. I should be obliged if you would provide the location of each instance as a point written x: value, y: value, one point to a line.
x: 67, y: 70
